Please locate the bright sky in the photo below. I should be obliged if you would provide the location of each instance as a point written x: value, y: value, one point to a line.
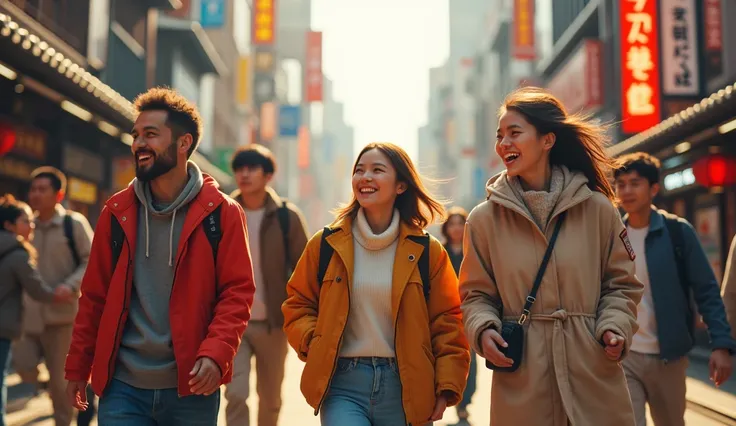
x: 378, y: 54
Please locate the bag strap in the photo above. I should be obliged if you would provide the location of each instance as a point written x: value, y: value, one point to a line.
x: 213, y: 230
x: 69, y: 234
x: 325, y: 254
x: 283, y: 216
x: 424, y: 263
x: 117, y: 238
x: 542, y: 268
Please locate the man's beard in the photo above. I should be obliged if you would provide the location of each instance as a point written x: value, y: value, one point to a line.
x: 162, y: 164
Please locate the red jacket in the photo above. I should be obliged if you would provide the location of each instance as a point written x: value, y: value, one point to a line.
x: 209, y: 306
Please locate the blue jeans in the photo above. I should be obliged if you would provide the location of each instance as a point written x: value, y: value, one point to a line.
x: 470, y: 387
x: 4, y: 366
x: 124, y: 405
x: 364, y: 392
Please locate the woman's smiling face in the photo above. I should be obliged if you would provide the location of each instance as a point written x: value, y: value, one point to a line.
x: 375, y: 183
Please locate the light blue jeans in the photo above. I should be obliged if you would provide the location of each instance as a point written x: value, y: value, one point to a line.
x: 125, y: 405
x: 364, y: 392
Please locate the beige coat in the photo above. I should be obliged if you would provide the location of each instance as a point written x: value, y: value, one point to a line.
x: 589, y: 287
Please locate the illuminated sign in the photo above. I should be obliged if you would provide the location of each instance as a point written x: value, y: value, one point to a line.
x: 640, y: 83
x: 264, y: 25
x: 679, y: 179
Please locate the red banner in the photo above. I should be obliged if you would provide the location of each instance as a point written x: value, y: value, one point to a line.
x: 313, y: 73
x: 264, y: 22
x: 640, y: 84
x: 522, y: 43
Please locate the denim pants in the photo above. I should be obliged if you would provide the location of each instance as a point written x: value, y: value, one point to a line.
x: 364, y: 392
x: 125, y: 405
x: 4, y: 366
x: 471, y: 385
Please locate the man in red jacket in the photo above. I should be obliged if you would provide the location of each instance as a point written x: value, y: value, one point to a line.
x: 169, y: 285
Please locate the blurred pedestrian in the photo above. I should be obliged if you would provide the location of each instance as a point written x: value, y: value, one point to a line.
x: 728, y: 288
x: 277, y: 235
x: 452, y: 232
x: 555, y: 352
x: 373, y: 306
x: 62, y: 239
x: 20, y: 274
x: 167, y: 294
x: 673, y: 267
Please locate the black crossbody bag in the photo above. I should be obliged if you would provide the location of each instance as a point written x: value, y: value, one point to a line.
x: 513, y: 331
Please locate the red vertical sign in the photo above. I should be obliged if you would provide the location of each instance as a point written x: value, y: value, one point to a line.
x: 313, y: 73
x: 522, y: 40
x: 640, y: 84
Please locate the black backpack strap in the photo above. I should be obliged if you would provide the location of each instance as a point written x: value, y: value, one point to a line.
x: 542, y: 268
x: 213, y: 230
x: 325, y: 254
x: 117, y: 238
x: 69, y: 234
x: 283, y: 215
x: 423, y: 263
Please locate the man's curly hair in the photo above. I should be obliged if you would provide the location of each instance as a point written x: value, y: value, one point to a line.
x: 183, y: 116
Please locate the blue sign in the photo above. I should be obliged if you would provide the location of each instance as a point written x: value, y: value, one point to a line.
x: 479, y: 178
x: 212, y: 14
x: 289, y: 120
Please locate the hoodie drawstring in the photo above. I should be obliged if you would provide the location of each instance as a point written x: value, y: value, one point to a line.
x: 147, y: 233
x: 171, y: 239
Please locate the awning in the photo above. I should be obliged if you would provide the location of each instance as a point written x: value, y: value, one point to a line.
x: 710, y: 112
x: 197, y: 42
x: 93, y: 88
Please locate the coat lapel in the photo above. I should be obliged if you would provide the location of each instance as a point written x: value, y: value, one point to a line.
x: 405, y: 261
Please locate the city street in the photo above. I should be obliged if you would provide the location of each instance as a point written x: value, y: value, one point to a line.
x: 297, y: 412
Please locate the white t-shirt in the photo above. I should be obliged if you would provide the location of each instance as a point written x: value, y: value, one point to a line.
x: 645, y: 340
x: 254, y: 218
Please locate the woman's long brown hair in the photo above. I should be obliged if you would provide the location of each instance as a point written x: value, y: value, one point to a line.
x: 579, y: 143
x: 417, y: 207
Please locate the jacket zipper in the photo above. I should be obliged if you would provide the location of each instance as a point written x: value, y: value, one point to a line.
x: 126, y: 301
x: 337, y: 355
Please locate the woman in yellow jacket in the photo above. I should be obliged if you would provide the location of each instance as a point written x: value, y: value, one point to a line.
x: 373, y: 305
x: 579, y: 325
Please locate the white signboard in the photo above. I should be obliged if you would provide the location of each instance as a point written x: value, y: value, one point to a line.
x: 679, y: 47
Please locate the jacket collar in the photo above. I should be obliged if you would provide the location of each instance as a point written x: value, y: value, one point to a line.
x: 345, y: 225
x: 272, y: 203
x: 57, y: 219
x: 656, y: 220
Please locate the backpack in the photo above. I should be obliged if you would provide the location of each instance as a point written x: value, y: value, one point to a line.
x: 326, y: 251
x: 283, y: 216
x: 674, y: 228
x: 211, y: 225
x: 68, y: 225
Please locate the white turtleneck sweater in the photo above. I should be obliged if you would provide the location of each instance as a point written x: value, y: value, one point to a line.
x: 370, y: 329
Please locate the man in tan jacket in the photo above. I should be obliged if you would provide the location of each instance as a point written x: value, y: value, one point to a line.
x: 277, y: 235
x: 47, y: 329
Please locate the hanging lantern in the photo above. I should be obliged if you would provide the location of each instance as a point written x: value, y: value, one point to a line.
x: 715, y: 170
x: 7, y: 138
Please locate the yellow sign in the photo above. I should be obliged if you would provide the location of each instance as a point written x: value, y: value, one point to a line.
x: 82, y: 191
x: 242, y: 82
x: 15, y: 168
x: 263, y: 22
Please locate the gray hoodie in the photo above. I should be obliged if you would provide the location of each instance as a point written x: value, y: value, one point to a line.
x: 18, y: 273
x: 146, y: 358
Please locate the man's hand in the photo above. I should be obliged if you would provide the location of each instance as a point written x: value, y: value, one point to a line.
x: 439, y: 407
x: 76, y: 393
x: 614, y: 345
x: 491, y: 340
x: 720, y: 366
x: 63, y: 294
x: 206, y: 377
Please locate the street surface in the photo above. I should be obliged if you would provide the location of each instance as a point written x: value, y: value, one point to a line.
x: 296, y: 412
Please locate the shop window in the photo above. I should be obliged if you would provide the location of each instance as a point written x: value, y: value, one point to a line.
x: 132, y: 18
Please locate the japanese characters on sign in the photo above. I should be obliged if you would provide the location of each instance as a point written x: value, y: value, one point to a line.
x: 264, y: 22
x: 679, y: 48
x: 313, y: 73
x: 713, y: 38
x: 522, y: 43
x: 640, y: 65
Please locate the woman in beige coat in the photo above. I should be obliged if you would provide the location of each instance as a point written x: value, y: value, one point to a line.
x: 584, y: 316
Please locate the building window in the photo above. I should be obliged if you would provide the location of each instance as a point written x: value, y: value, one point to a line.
x: 66, y: 18
x: 132, y: 18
